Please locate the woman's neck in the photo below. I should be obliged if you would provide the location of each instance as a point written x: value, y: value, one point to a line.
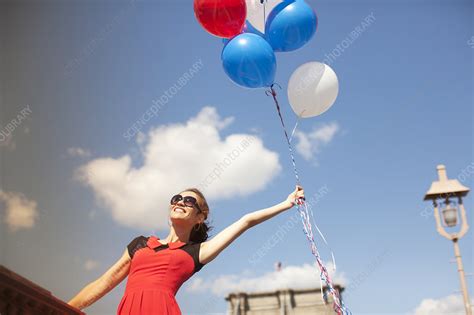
x: 178, y: 234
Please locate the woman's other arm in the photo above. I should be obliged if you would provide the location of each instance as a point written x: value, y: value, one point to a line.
x: 210, y: 249
x: 101, y: 286
x: 260, y: 216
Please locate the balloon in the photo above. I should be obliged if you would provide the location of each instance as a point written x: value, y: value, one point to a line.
x: 257, y: 12
x: 249, y: 61
x: 223, y: 18
x: 312, y: 89
x: 290, y: 25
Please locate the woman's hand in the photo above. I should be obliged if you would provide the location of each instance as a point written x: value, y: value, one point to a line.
x: 296, y: 197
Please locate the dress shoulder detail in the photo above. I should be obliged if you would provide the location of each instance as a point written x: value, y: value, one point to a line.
x: 137, y: 243
x: 193, y: 250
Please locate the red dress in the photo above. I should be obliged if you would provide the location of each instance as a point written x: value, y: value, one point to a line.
x: 156, y: 273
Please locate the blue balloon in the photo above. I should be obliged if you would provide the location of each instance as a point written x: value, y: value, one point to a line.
x: 249, y: 60
x: 290, y: 25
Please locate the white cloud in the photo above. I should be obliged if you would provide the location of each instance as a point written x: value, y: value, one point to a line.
x: 91, y: 264
x: 20, y: 213
x: 292, y: 277
x: 450, y: 305
x: 309, y: 144
x: 175, y: 157
x: 79, y: 152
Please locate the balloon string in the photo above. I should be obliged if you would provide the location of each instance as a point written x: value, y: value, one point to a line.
x: 273, y: 93
x: 264, y: 2
x: 338, y: 304
x: 296, y: 125
x: 324, y: 239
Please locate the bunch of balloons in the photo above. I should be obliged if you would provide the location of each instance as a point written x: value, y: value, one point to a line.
x: 253, y: 30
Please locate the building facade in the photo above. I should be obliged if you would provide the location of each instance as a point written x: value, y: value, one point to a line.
x: 282, y: 302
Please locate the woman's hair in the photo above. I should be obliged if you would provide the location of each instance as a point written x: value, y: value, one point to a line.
x: 199, y: 232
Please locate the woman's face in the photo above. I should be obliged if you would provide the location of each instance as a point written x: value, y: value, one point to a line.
x: 180, y: 213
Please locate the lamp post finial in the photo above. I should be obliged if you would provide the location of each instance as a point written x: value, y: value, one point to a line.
x: 443, y: 176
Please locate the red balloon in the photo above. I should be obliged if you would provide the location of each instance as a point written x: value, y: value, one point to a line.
x: 223, y: 18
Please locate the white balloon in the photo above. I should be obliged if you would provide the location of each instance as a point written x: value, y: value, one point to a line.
x: 312, y: 89
x: 257, y: 12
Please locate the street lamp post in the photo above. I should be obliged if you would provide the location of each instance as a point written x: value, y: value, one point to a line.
x: 450, y: 192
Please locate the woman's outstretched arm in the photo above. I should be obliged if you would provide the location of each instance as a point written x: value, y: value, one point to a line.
x: 98, y: 288
x: 210, y: 249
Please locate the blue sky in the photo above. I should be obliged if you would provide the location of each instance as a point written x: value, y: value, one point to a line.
x: 89, y: 70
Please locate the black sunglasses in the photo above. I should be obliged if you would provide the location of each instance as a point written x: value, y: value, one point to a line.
x: 188, y: 201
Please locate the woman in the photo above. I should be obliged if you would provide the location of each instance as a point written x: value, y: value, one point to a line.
x: 157, y: 268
